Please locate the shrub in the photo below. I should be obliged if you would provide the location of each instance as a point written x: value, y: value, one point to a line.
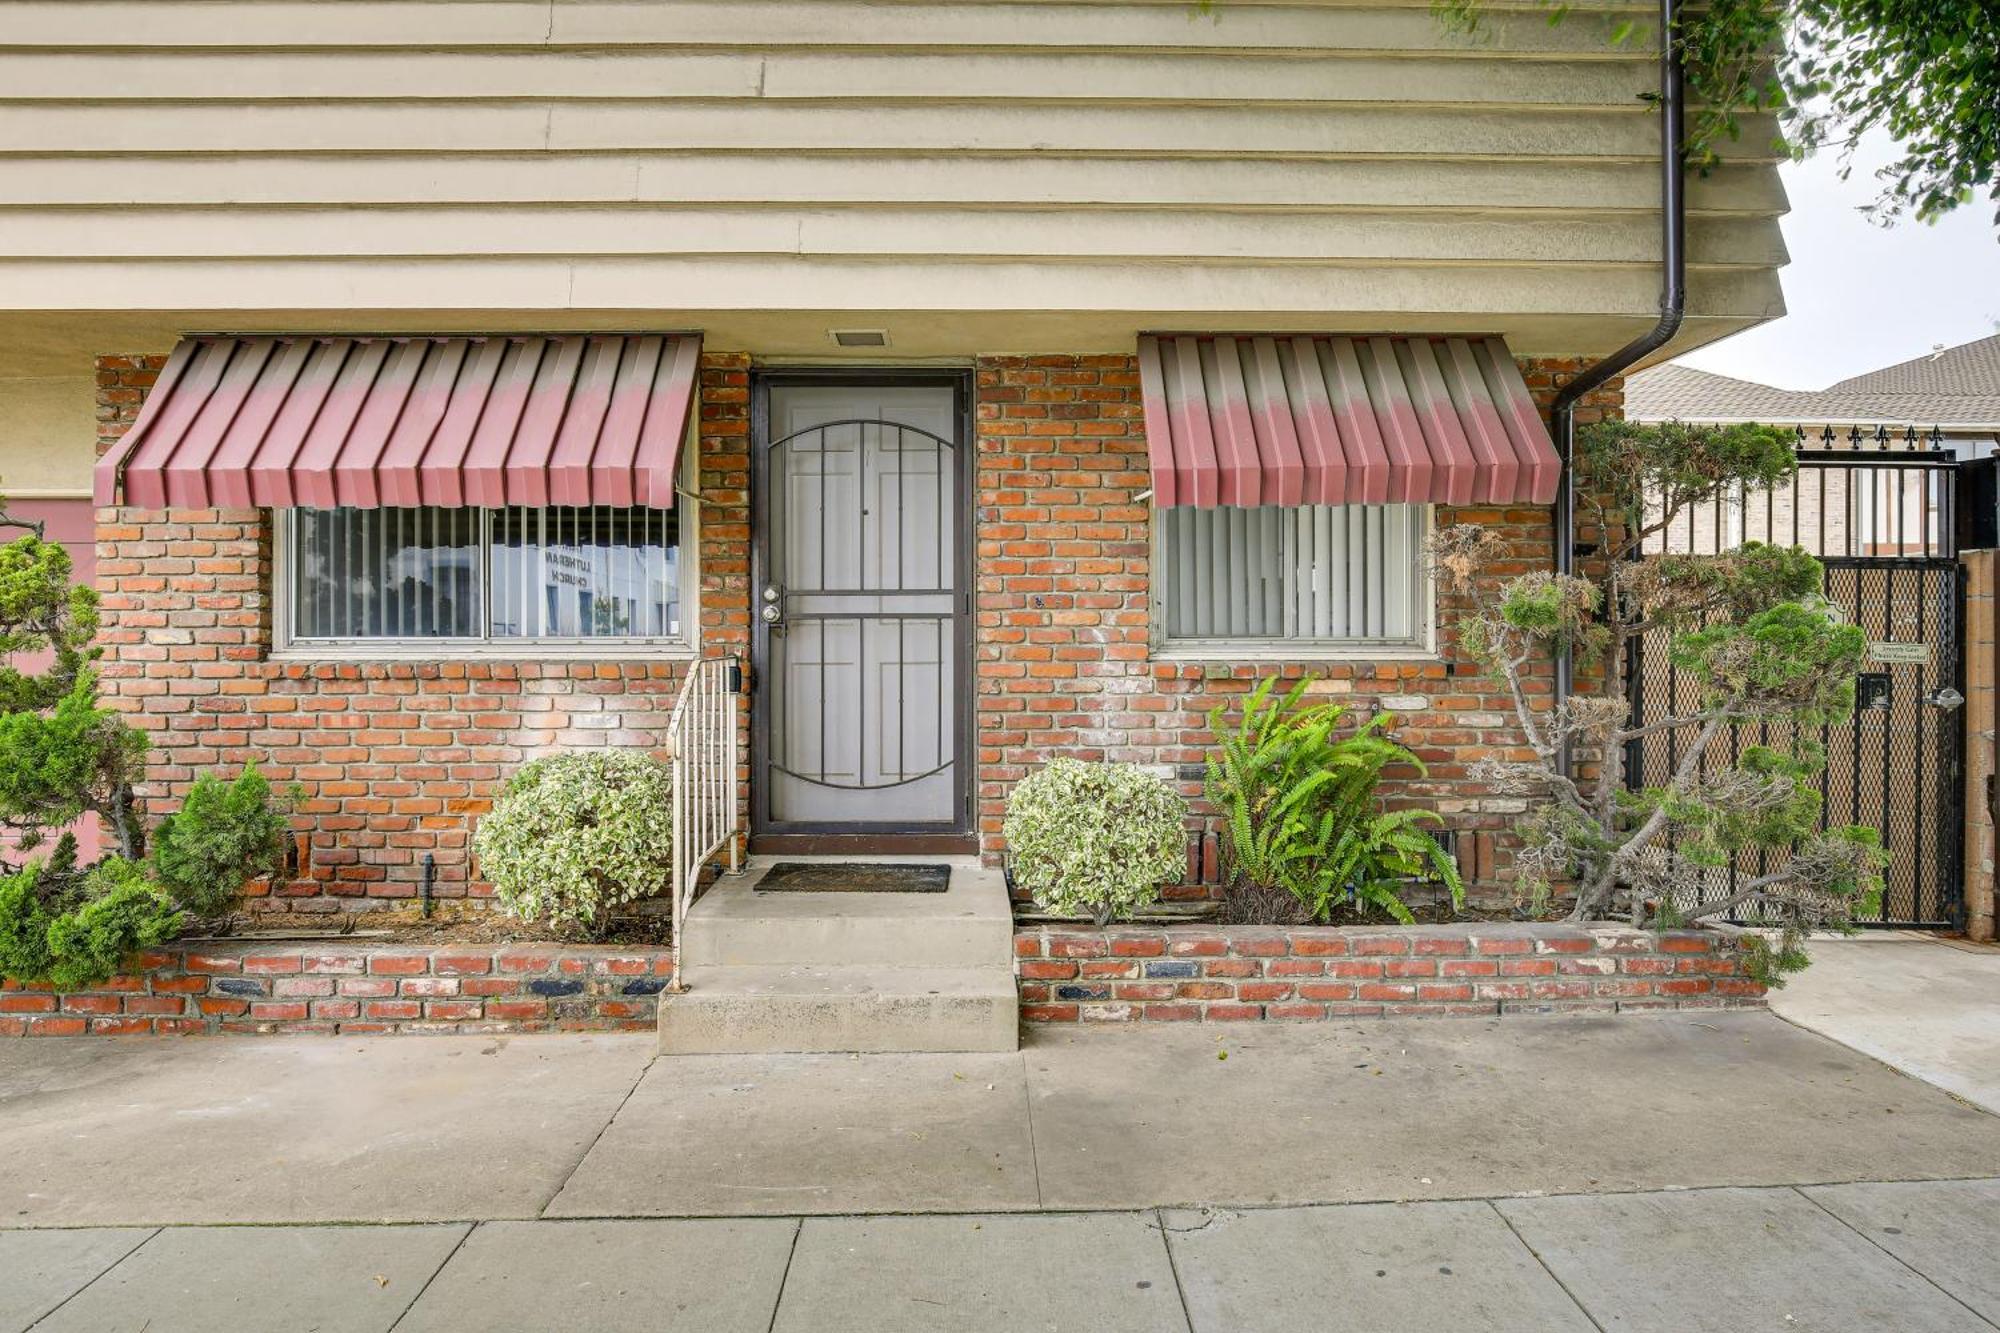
x: 1302, y: 827
x: 224, y: 835
x: 75, y: 929
x: 121, y: 913
x: 1751, y: 632
x: 1095, y: 838
x: 61, y: 754
x: 574, y: 835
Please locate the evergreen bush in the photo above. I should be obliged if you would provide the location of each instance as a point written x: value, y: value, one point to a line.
x: 574, y: 835
x: 1096, y: 839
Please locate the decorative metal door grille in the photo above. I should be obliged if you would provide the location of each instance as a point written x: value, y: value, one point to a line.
x: 860, y: 602
x: 1880, y: 518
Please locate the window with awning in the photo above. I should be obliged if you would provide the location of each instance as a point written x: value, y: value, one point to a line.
x: 385, y: 422
x: 458, y: 491
x: 1294, y: 475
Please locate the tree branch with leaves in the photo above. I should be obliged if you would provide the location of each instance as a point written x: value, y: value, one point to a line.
x: 1752, y: 633
x: 1925, y: 72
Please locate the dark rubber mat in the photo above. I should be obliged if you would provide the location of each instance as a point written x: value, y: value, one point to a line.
x: 853, y: 877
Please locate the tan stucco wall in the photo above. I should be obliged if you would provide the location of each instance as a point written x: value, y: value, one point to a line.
x: 48, y: 435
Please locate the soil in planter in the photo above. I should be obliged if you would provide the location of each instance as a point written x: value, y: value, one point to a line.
x: 444, y: 926
x: 1245, y: 906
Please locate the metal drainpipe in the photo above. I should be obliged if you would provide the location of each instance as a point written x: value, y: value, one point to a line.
x: 1673, y: 305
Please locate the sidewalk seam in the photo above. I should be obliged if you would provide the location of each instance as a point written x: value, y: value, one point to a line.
x: 450, y: 1255
x: 1895, y: 1258
x: 1028, y: 1112
x: 1173, y: 1266
x: 143, y: 1243
x: 542, y: 1213
x: 1543, y: 1264
x: 785, y: 1278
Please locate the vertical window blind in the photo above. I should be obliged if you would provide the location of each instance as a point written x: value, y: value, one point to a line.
x: 1327, y: 573
x: 468, y: 575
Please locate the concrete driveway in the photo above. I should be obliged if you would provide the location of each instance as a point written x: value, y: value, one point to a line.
x: 1927, y: 1006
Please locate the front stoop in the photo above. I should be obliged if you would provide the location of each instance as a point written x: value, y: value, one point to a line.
x: 838, y: 972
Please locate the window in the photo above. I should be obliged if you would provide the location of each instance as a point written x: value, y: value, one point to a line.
x: 1312, y: 578
x: 586, y: 577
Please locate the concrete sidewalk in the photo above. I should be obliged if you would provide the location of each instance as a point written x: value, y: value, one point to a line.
x: 1876, y: 1256
x: 109, y: 1133
x: 1925, y: 1005
x: 1673, y: 1171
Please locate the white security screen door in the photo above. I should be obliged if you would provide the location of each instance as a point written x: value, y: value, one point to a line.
x: 861, y: 600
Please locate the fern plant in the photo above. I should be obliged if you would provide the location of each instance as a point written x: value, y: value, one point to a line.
x: 1301, y: 820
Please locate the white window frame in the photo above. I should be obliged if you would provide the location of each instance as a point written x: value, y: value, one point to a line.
x: 671, y: 647
x: 1422, y: 647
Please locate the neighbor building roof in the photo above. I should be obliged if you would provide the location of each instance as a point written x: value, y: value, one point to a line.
x: 1956, y: 386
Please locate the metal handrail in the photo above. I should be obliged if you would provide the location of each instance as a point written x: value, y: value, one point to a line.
x: 702, y: 734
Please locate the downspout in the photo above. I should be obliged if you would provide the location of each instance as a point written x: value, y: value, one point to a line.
x: 1673, y: 305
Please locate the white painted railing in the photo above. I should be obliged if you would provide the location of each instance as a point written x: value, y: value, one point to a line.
x: 702, y: 733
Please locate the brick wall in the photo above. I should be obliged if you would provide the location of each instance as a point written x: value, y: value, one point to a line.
x: 212, y: 989
x: 396, y: 758
x: 1064, y: 664
x: 1250, y: 973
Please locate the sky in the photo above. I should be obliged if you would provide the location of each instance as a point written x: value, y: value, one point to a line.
x: 1862, y: 296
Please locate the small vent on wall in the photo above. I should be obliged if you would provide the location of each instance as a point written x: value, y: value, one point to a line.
x: 859, y: 337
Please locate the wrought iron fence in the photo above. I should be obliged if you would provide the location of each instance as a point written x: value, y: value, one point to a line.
x: 1876, y: 505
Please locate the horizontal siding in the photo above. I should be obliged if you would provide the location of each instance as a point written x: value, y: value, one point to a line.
x: 1334, y: 297
x: 219, y: 155
x: 1055, y: 234
x: 1419, y: 134
x: 665, y: 177
x: 1364, y: 25
x: 874, y: 77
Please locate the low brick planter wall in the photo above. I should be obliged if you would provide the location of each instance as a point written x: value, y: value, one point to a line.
x: 323, y: 986
x: 1185, y: 974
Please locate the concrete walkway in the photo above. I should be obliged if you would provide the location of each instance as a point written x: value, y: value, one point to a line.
x: 1927, y: 1006
x: 1880, y: 1256
x: 1505, y: 1174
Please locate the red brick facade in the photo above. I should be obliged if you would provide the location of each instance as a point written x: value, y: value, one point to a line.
x: 213, y: 989
x: 398, y: 758
x: 1241, y: 974
x: 1127, y: 974
x: 1064, y: 662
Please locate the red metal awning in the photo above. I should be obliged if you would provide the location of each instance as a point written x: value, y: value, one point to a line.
x: 1297, y: 419
x: 311, y: 422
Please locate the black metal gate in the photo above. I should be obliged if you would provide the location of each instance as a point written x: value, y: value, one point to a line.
x: 1877, y: 509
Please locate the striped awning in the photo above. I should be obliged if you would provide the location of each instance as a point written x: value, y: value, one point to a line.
x: 1297, y: 419
x: 321, y: 422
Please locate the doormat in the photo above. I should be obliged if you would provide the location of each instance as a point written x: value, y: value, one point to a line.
x: 853, y: 877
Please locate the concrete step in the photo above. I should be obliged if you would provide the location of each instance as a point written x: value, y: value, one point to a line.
x: 762, y: 1009
x: 969, y: 925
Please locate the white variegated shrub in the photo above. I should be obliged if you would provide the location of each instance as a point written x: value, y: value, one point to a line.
x: 1095, y: 839
x: 574, y: 835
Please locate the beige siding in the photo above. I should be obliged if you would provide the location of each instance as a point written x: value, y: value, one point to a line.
x: 1089, y: 168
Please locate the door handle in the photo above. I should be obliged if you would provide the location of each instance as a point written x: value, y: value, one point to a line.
x: 773, y: 610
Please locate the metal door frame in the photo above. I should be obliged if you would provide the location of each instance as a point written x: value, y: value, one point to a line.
x: 800, y: 835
